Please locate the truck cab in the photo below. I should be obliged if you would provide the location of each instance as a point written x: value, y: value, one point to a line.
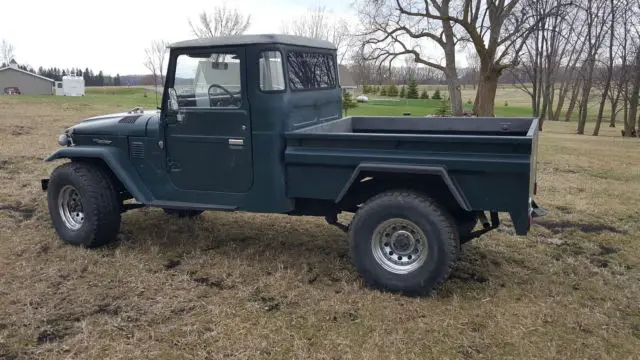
x: 254, y: 123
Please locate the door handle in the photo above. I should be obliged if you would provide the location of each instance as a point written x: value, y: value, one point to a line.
x: 236, y: 142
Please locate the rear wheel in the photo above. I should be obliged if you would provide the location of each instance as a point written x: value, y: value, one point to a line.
x: 83, y: 204
x: 403, y: 242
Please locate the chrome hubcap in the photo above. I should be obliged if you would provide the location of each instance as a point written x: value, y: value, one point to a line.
x: 399, y: 246
x: 70, y: 207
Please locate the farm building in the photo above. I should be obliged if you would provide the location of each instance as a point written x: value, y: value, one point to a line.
x: 15, y: 80
x: 346, y: 80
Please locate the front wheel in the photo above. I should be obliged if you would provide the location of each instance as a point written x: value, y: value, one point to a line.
x: 83, y: 204
x: 404, y: 242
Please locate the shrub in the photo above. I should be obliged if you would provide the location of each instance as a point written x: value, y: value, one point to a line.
x: 424, y: 94
x: 436, y: 95
x: 348, y: 102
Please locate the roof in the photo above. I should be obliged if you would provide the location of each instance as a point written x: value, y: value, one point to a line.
x: 255, y: 39
x: 26, y: 72
x: 346, y: 80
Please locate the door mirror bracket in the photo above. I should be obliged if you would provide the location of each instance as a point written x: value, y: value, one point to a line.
x: 173, y: 100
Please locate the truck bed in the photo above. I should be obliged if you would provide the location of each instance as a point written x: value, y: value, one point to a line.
x: 424, y: 126
x: 491, y: 161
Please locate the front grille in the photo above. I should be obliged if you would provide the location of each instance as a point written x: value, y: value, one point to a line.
x: 136, y: 149
x: 129, y: 119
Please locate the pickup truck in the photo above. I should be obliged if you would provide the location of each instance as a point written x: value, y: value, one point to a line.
x: 254, y: 123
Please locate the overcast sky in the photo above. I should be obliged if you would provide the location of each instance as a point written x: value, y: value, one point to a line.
x: 111, y: 35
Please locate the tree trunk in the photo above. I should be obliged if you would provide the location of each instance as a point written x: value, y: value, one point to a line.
x: 603, y: 101
x: 633, y: 106
x: 614, y: 108
x: 572, y: 103
x: 564, y: 89
x: 586, y: 91
x: 487, y: 88
x: 551, y: 99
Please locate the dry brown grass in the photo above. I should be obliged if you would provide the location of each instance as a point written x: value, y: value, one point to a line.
x: 267, y: 286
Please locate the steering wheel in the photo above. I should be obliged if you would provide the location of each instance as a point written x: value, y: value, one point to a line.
x: 219, y: 103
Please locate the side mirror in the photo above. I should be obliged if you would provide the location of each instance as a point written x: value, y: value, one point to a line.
x: 173, y: 100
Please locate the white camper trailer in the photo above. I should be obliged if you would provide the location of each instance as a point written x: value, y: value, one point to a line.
x: 70, y: 85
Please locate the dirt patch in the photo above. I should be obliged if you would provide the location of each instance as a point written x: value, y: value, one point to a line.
x: 47, y: 336
x: 172, y: 264
x: 217, y: 284
x: 600, y: 263
x: 469, y: 277
x: 20, y: 211
x: 560, y: 226
x: 608, y: 250
x: 20, y: 130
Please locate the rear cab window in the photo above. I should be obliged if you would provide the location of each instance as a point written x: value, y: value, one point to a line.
x: 311, y: 70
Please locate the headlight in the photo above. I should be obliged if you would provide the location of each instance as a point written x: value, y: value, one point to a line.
x: 64, y: 140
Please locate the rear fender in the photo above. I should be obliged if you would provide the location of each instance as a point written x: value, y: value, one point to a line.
x: 439, y: 171
x: 117, y: 162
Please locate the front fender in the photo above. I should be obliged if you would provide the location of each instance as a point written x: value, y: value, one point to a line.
x: 116, y: 160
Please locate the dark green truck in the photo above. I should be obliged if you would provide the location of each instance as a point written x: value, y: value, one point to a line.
x: 254, y: 123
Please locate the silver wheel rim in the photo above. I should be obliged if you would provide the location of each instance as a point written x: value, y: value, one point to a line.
x: 399, y: 246
x: 70, y: 207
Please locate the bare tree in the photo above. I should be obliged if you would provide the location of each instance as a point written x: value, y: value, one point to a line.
x: 597, y: 22
x: 155, y: 59
x: 397, y: 28
x: 6, y: 52
x: 609, y: 69
x: 222, y: 22
x: 319, y: 23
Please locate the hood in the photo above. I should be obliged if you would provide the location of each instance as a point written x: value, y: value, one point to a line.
x: 118, y: 124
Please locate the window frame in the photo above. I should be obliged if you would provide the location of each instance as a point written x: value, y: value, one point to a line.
x: 228, y: 51
x: 314, y: 51
x: 284, y: 71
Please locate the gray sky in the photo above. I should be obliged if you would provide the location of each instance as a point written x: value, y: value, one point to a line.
x: 111, y: 35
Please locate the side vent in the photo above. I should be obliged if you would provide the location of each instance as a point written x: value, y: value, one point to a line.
x: 136, y: 149
x: 129, y: 119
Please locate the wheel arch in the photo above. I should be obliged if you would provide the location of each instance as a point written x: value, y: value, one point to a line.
x: 112, y: 161
x: 368, y: 179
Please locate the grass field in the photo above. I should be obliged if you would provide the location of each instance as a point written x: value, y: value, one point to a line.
x: 254, y: 286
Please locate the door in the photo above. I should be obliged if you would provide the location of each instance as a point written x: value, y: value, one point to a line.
x: 209, y: 138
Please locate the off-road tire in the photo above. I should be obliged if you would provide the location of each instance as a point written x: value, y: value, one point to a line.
x: 432, y: 219
x: 183, y: 213
x: 100, y: 203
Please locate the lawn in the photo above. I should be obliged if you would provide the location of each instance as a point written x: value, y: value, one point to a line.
x: 255, y: 286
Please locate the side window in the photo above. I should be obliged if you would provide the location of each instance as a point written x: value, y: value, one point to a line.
x: 309, y: 70
x: 271, y: 71
x: 210, y: 80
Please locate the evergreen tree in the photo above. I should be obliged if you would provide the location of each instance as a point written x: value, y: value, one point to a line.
x: 383, y: 91
x: 116, y: 81
x: 100, y: 81
x: 424, y: 94
x: 412, y: 90
x: 403, y: 92
x: 436, y: 95
x: 348, y: 102
x: 392, y: 90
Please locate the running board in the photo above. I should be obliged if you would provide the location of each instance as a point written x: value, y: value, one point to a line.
x: 180, y: 205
